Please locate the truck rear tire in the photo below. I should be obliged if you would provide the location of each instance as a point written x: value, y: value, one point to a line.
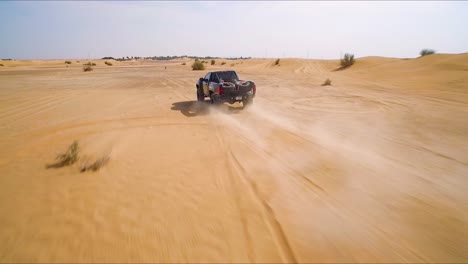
x: 200, y: 95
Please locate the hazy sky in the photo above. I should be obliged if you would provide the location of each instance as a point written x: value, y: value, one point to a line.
x: 82, y: 29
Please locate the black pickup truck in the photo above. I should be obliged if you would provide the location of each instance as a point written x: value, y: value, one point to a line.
x: 225, y: 86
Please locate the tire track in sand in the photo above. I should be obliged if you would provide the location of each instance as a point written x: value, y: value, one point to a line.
x: 334, y: 205
x: 269, y: 216
x: 267, y: 213
x: 234, y: 183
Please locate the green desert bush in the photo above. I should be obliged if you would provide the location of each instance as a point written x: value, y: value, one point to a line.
x: 327, y: 82
x: 67, y: 62
x: 425, y: 52
x: 108, y: 63
x: 347, y: 60
x: 67, y: 158
x: 277, y: 61
x: 198, y: 66
x: 213, y: 62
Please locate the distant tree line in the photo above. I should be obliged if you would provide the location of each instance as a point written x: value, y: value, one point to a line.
x: 127, y: 58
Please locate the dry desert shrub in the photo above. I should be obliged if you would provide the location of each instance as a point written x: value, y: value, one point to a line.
x: 183, y: 63
x: 71, y: 156
x: 87, y: 68
x: 96, y: 165
x: 222, y: 63
x: 68, y: 62
x: 213, y: 62
x: 67, y: 158
x: 277, y: 62
x: 347, y: 60
x: 108, y: 63
x: 426, y: 52
x: 327, y: 82
x: 198, y: 66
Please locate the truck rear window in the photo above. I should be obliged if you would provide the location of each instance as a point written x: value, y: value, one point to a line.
x: 228, y: 76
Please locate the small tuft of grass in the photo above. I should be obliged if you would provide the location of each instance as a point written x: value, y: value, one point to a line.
x: 108, y: 63
x: 67, y: 158
x: 277, y: 61
x: 184, y: 63
x: 426, y: 52
x: 327, y: 82
x: 222, y: 63
x: 99, y: 163
x: 198, y: 66
x: 213, y: 62
x: 68, y: 62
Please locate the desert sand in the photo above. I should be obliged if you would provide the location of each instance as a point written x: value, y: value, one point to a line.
x: 370, y: 169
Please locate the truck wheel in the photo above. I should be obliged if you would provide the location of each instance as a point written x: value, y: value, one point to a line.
x: 200, y: 95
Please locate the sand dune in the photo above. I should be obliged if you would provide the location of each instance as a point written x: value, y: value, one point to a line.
x: 371, y: 169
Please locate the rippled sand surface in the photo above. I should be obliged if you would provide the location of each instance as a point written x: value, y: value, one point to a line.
x: 370, y: 169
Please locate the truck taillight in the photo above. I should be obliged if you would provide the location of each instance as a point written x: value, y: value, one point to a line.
x: 254, y: 89
x: 220, y: 89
